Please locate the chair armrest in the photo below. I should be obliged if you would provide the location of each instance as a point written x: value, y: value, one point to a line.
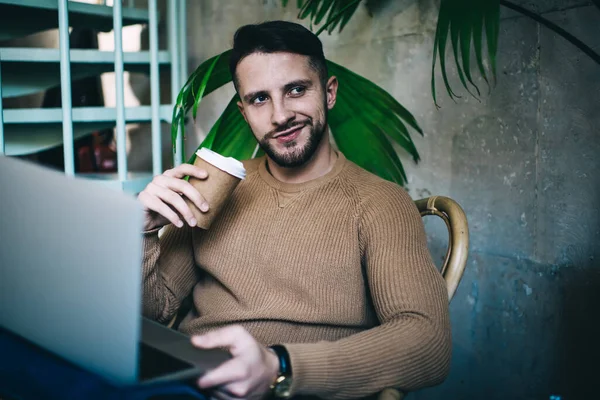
x: 458, y: 242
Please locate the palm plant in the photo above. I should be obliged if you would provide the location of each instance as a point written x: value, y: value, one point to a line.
x: 366, y: 121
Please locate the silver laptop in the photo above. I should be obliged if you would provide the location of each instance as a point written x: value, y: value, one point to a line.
x: 70, y: 278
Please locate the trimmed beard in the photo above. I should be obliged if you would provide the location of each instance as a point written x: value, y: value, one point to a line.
x: 299, y: 156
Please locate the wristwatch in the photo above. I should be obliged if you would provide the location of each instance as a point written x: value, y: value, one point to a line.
x: 281, y: 388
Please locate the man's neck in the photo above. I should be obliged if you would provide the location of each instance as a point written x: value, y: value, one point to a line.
x: 320, y: 164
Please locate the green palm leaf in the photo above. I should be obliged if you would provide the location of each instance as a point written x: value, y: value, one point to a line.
x: 465, y: 51
x: 325, y: 7
x: 366, y: 120
x: 338, y: 12
x: 466, y: 22
x: 230, y: 135
x: 492, y: 28
x: 210, y: 75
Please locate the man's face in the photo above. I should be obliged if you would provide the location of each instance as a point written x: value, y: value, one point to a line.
x: 283, y: 101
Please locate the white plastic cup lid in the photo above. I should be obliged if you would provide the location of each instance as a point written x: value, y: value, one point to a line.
x: 227, y: 164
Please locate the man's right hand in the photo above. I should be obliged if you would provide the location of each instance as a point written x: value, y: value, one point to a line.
x: 162, y: 198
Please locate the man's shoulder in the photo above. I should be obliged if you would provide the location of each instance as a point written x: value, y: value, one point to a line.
x: 373, y: 189
x: 381, y: 201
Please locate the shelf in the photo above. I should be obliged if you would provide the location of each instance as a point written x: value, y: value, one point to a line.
x: 78, y: 56
x: 27, y: 71
x: 135, y: 183
x: 24, y: 139
x: 32, y: 116
x: 24, y: 17
x: 29, y: 130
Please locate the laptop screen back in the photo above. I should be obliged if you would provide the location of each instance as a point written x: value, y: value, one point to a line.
x: 70, y: 276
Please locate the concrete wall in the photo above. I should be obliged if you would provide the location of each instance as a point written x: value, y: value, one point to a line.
x: 523, y: 163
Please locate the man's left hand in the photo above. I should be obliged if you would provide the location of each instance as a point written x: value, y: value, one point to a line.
x: 248, y: 374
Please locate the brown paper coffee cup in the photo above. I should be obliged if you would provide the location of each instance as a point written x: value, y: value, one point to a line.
x: 224, y: 174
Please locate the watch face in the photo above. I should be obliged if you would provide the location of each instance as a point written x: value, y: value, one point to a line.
x: 282, y: 389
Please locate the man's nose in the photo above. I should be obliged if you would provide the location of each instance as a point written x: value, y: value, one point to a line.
x: 281, y: 114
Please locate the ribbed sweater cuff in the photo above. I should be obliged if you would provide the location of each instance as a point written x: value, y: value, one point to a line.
x: 149, y: 244
x: 311, y: 368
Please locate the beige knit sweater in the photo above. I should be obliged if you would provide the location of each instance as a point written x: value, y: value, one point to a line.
x: 337, y: 269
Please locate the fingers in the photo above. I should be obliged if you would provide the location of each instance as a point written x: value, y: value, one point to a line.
x: 163, y: 195
x: 234, y: 338
x: 153, y: 203
x: 237, y: 370
x: 230, y: 371
x: 183, y: 187
x: 184, y: 170
x: 172, y: 198
x: 248, y: 374
x: 232, y: 380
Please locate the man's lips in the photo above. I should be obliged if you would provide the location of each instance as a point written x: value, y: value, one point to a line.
x: 288, y: 132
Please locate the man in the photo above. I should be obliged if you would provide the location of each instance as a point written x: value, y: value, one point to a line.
x: 312, y: 254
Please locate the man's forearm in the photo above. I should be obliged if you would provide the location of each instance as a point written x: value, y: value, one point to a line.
x: 168, y: 273
x: 153, y: 299
x: 409, y: 353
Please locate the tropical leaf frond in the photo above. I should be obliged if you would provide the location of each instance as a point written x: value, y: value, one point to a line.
x: 331, y: 13
x: 468, y: 24
x: 365, y: 123
x: 209, y: 76
x: 230, y: 136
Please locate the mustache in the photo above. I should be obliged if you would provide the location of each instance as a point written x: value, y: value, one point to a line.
x: 289, y: 125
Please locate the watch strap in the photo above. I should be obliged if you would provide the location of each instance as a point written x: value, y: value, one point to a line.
x: 285, y: 365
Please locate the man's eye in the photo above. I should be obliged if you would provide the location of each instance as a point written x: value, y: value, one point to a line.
x: 259, y: 99
x: 297, y: 91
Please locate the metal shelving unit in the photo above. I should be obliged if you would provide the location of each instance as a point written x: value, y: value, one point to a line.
x: 27, y: 71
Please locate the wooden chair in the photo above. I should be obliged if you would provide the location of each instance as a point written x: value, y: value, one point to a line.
x: 456, y: 255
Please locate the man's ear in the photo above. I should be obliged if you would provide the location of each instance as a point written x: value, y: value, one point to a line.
x: 331, y: 92
x: 241, y: 108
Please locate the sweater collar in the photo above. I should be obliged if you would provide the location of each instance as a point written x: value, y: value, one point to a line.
x: 298, y: 187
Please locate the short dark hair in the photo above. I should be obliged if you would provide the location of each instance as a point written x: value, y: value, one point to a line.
x: 274, y: 37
